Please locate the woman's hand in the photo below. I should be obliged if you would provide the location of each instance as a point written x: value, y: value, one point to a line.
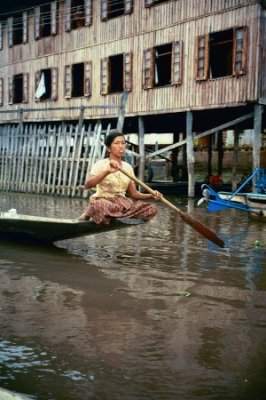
x: 114, y: 166
x: 157, y: 195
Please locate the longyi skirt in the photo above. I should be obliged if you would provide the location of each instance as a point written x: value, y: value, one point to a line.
x: 102, y: 210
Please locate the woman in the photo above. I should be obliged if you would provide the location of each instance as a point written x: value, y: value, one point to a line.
x: 112, y: 185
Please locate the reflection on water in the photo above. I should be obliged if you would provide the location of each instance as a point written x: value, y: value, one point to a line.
x: 154, y: 311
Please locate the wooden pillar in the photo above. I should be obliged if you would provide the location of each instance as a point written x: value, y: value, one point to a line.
x: 220, y: 151
x: 209, y: 155
x: 175, y: 159
x: 258, y: 110
x: 20, y: 123
x: 190, y: 154
x: 122, y: 111
x: 235, y: 159
x: 141, y: 174
x: 81, y: 118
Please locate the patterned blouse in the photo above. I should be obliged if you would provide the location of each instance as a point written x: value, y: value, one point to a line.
x: 114, y: 184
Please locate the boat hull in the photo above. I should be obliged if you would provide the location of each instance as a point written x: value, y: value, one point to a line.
x: 48, y: 230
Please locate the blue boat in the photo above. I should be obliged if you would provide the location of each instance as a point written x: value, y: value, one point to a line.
x: 254, y: 203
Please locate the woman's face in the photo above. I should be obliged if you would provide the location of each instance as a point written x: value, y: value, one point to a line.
x: 118, y: 147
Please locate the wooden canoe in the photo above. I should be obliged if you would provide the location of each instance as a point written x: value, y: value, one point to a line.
x: 44, y: 229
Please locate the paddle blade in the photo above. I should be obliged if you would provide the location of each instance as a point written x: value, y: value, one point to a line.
x: 202, y: 229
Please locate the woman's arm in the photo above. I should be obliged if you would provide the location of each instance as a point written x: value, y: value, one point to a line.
x: 135, y: 194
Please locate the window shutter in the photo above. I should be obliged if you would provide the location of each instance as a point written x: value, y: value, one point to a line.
x: 68, y: 82
x: 148, y: 68
x: 25, y: 27
x: 128, y: 6
x: 127, y: 71
x: 25, y: 98
x: 54, y: 84
x: 177, y: 63
x: 10, y: 90
x: 104, y: 76
x: 68, y: 15
x: 1, y: 91
x: 53, y: 18
x: 10, y: 31
x: 88, y: 78
x: 88, y: 12
x: 37, y: 17
x: 1, y: 36
x: 202, y: 57
x: 37, y: 81
x: 104, y: 10
x: 240, y: 51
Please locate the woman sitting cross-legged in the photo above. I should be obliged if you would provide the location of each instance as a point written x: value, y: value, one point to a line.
x: 112, y: 186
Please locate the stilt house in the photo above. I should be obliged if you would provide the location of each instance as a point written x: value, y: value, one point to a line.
x: 189, y: 67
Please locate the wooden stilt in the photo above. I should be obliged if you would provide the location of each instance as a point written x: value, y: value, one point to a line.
x: 190, y: 154
x: 141, y: 173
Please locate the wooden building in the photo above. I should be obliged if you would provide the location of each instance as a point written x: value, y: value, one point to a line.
x: 190, y: 67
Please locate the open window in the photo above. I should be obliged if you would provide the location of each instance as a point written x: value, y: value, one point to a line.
x: 46, y: 84
x: 1, y: 92
x: 221, y: 54
x: 45, y: 20
x: 115, y: 8
x: 17, y: 27
x: 78, y: 80
x: 116, y: 73
x: 78, y: 14
x: 149, y: 3
x: 162, y: 65
x: 18, y: 89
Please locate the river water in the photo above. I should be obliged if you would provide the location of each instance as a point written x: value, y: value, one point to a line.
x: 147, y: 312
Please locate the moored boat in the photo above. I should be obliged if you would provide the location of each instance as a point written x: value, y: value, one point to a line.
x: 254, y: 203
x: 48, y: 230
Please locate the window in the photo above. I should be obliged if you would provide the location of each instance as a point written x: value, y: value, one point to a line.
x: 78, y: 80
x: 78, y: 14
x: 18, y: 89
x: 1, y: 36
x: 17, y: 29
x: 116, y: 73
x: 162, y: 65
x: 1, y: 92
x: 115, y: 8
x: 46, y: 85
x: 221, y: 54
x: 149, y: 3
x: 45, y: 20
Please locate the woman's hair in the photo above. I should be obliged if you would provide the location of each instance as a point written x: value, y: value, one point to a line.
x: 112, y: 135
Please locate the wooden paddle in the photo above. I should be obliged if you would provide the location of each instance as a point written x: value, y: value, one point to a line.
x: 198, y: 226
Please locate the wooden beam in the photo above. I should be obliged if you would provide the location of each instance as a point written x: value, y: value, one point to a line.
x: 200, y: 135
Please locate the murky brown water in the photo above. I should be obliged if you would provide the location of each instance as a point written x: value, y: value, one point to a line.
x: 148, y: 312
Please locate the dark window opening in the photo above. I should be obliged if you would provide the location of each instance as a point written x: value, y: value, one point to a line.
x: 77, y: 80
x: 77, y: 14
x: 221, y: 53
x: 18, y: 89
x: 46, y: 20
x: 115, y: 8
x: 18, y: 29
x: 47, y: 77
x: 154, y: 2
x: 162, y: 65
x: 116, y: 73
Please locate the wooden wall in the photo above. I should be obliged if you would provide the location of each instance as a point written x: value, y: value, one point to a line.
x: 181, y: 20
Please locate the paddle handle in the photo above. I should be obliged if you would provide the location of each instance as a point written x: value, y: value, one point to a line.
x: 151, y: 191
